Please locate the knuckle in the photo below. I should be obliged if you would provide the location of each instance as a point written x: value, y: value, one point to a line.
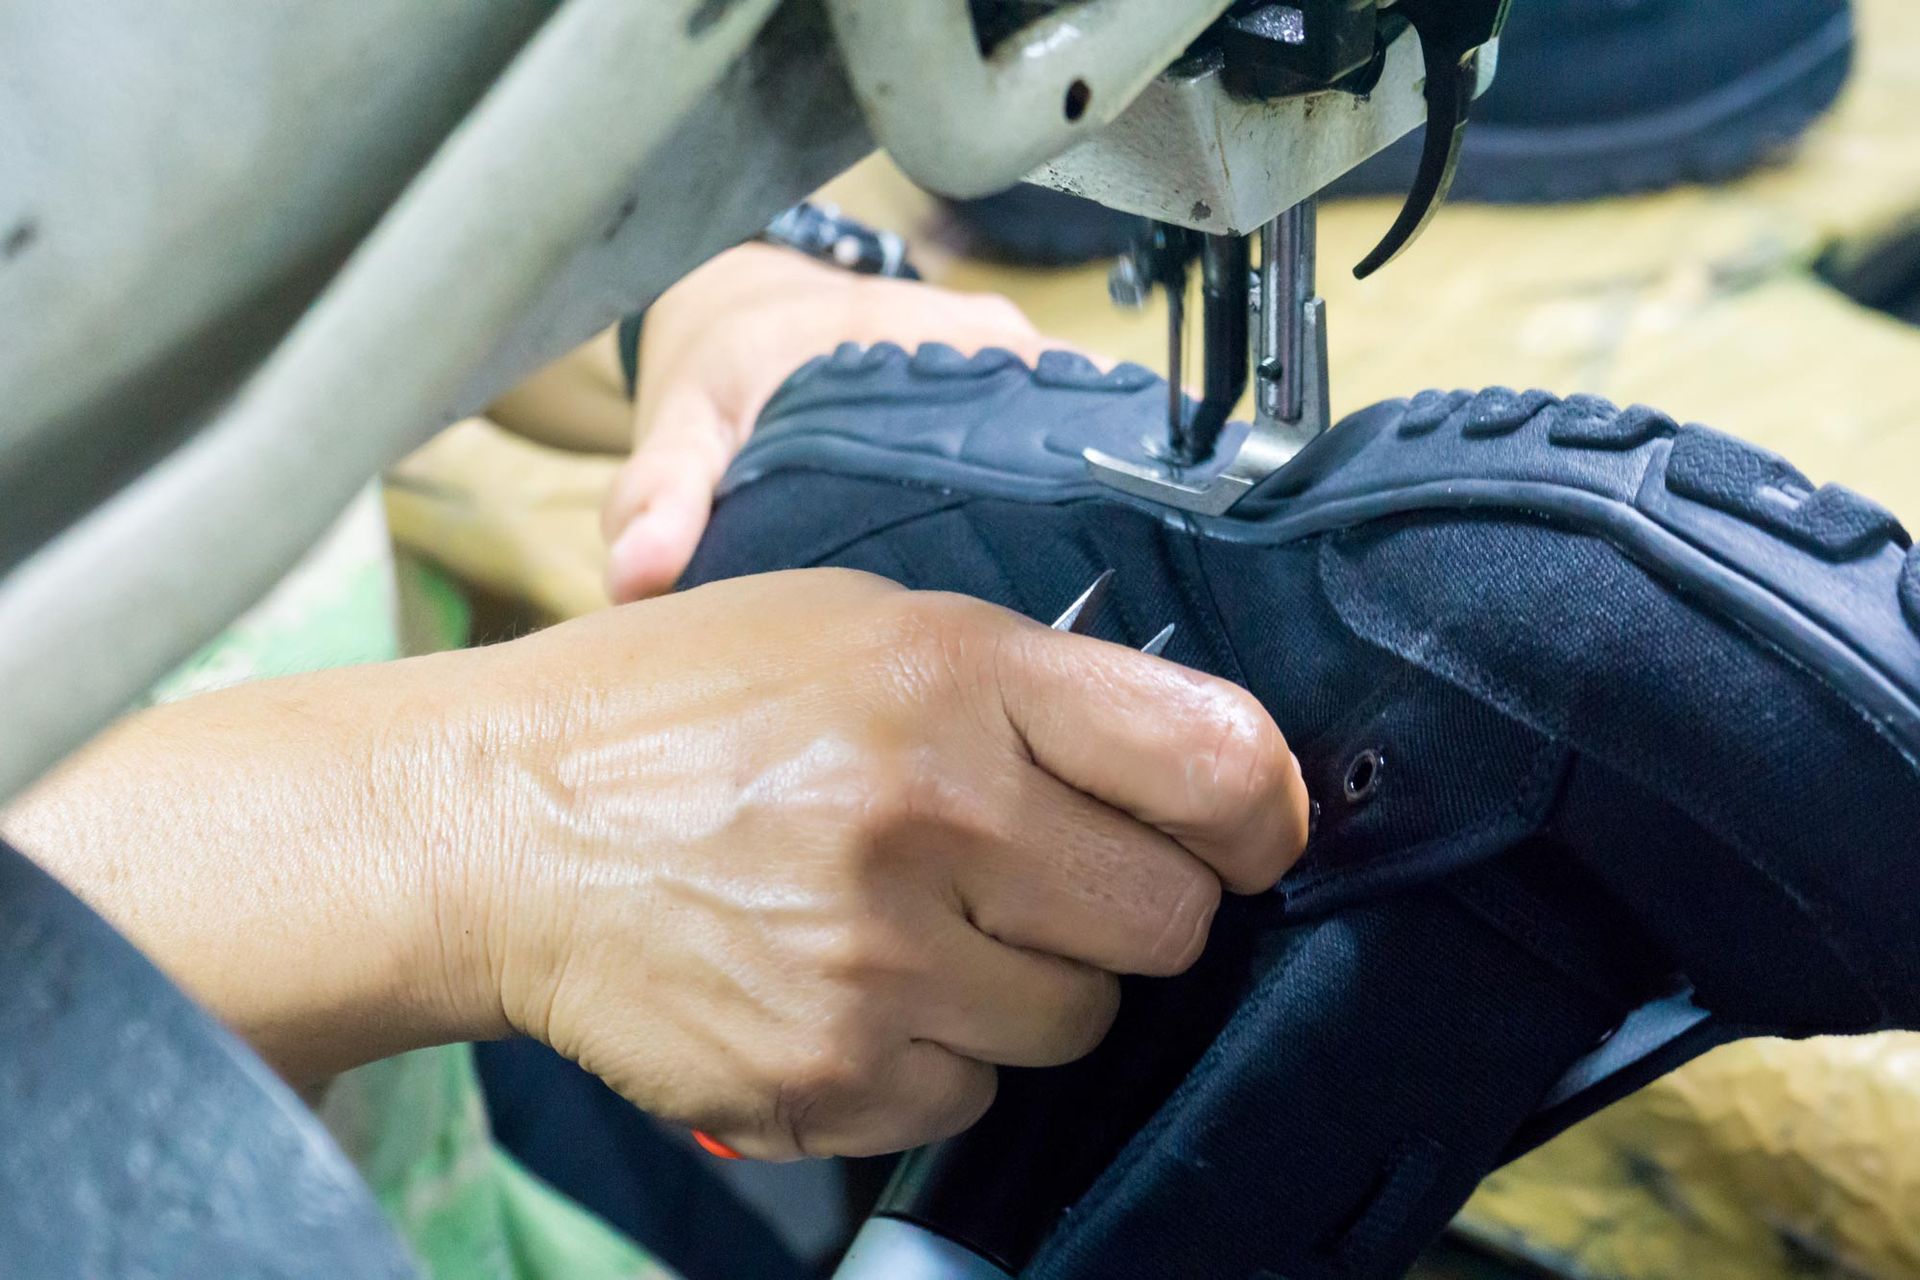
x: 794, y: 1112
x: 960, y: 1107
x: 934, y: 638
x: 916, y: 789
x: 888, y: 785
x: 951, y: 653
x: 819, y: 1079
x: 1183, y: 930
x: 846, y: 1041
x: 915, y: 618
x: 1246, y: 760
x: 1089, y: 1016
x: 978, y: 811
x: 917, y: 793
x: 857, y: 956
x: 932, y: 796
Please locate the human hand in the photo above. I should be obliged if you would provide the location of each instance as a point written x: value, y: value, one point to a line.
x: 798, y: 859
x: 715, y: 348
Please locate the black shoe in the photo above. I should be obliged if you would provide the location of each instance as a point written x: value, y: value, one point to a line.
x: 1605, y: 97
x: 1612, y: 725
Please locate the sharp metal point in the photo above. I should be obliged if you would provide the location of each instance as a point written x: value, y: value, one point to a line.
x: 1153, y: 647
x: 1080, y: 614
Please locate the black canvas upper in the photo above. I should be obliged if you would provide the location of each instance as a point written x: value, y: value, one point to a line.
x: 1643, y: 709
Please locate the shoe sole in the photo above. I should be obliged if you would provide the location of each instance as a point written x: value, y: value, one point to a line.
x: 1713, y: 138
x: 1822, y: 574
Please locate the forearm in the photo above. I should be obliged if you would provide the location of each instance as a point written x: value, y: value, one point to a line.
x: 285, y: 852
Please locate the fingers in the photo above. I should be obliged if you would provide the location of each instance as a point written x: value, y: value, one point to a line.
x: 662, y: 498
x: 1091, y: 884
x: 1014, y: 1008
x: 922, y: 1093
x: 928, y: 1093
x: 1196, y: 757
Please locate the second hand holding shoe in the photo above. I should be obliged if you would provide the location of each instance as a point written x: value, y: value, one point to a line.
x: 1613, y: 724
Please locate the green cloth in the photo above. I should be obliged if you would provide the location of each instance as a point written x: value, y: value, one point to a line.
x: 415, y: 1125
x: 416, y: 1128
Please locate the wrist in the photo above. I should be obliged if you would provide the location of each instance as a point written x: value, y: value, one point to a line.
x: 482, y: 779
x: 431, y: 775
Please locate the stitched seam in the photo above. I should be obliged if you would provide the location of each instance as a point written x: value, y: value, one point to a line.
x: 1218, y: 633
x: 889, y: 526
x: 993, y: 556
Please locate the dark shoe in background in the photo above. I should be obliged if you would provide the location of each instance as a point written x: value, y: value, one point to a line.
x: 1608, y: 97
x: 1593, y: 98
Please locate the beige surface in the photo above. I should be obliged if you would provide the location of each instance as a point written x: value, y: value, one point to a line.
x: 1763, y: 1159
x: 516, y: 519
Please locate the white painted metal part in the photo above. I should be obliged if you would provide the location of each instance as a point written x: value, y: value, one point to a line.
x: 1189, y: 152
x: 963, y: 123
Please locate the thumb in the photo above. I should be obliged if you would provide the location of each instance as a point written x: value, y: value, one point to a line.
x: 661, y: 499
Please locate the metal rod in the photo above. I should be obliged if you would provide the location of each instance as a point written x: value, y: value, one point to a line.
x: 1299, y: 253
x: 1288, y: 265
x: 1176, y: 353
x: 1290, y: 380
x: 1225, y: 266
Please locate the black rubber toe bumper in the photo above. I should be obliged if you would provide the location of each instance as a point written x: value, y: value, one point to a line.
x: 1819, y: 571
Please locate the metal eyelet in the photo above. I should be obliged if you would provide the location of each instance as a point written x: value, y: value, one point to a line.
x: 1363, y: 776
